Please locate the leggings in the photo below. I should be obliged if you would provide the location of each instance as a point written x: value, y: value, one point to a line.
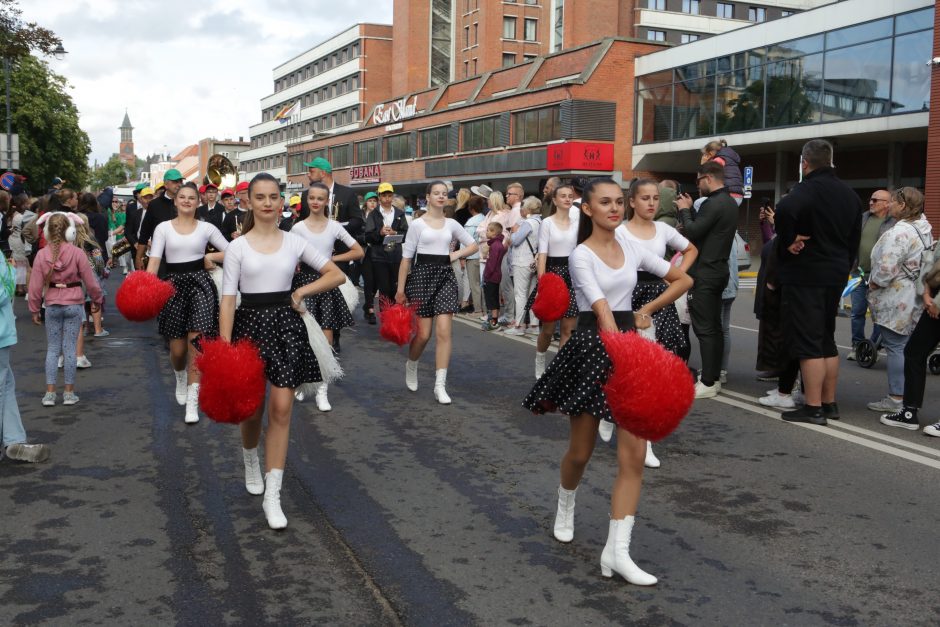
x: 63, y: 323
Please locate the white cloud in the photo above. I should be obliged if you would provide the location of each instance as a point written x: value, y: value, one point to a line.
x: 184, y: 70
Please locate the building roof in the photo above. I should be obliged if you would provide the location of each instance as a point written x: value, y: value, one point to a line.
x: 127, y: 121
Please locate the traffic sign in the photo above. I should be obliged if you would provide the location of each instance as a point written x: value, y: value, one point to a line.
x: 748, y: 176
x: 7, y: 181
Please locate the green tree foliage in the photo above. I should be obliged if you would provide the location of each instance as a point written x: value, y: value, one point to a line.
x: 113, y: 172
x: 51, y: 141
x: 18, y: 39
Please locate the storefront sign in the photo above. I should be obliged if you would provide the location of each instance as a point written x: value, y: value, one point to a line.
x: 392, y: 112
x: 580, y: 156
x: 365, y: 174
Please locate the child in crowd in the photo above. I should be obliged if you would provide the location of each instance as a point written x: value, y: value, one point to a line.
x: 492, y: 273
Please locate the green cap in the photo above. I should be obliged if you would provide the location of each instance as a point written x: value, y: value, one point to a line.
x: 370, y: 195
x: 172, y: 175
x: 139, y: 187
x: 321, y: 164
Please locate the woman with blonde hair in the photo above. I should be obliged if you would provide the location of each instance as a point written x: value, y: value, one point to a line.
x: 524, y: 243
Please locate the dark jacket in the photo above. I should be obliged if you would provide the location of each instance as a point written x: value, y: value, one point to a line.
x: 734, y: 181
x: 712, y: 231
x: 99, y: 228
x: 160, y: 210
x: 345, y: 209
x: 374, y: 237
x: 492, y: 271
x: 131, y: 221
x: 830, y: 213
x: 212, y: 215
x: 232, y: 221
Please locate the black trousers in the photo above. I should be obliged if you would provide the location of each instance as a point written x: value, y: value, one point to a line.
x: 368, y: 284
x: 919, y: 346
x: 705, y: 312
x: 386, y: 277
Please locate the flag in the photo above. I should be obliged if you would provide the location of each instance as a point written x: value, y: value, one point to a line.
x: 283, y: 116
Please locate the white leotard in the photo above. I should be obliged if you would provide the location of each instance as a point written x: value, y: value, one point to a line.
x: 323, y: 242
x: 665, y: 236
x: 174, y: 247
x: 555, y: 242
x: 426, y: 240
x: 593, y: 279
x: 252, y: 272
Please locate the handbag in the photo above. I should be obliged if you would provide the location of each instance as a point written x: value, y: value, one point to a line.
x: 122, y: 247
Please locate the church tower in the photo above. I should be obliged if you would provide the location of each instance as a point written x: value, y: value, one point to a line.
x: 126, y: 151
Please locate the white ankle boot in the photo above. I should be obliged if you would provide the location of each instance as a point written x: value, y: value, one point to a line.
x: 440, y: 381
x: 564, y: 517
x: 254, y: 482
x: 192, y: 404
x: 651, y: 460
x: 323, y: 403
x: 539, y: 365
x: 272, y: 499
x: 616, y: 555
x: 411, y: 375
x: 606, y: 430
x: 181, y: 377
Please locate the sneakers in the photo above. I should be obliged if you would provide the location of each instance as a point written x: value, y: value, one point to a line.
x: 83, y: 362
x: 489, y: 326
x: 48, y: 399
x: 933, y: 430
x: 811, y: 415
x: 906, y: 418
x: 830, y: 410
x: 886, y: 405
x: 707, y: 391
x: 103, y: 333
x: 851, y: 355
x: 69, y: 398
x: 514, y: 331
x: 775, y: 399
x: 533, y: 330
x: 28, y: 452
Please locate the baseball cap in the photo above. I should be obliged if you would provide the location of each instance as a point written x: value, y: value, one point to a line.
x: 158, y: 187
x: 385, y: 187
x: 320, y: 163
x: 146, y: 191
x: 172, y: 175
x: 370, y: 195
x: 294, y: 200
x: 242, y: 186
x: 141, y: 186
x: 202, y: 189
x: 228, y: 192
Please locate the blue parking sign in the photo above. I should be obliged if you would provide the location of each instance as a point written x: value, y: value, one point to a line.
x: 748, y: 176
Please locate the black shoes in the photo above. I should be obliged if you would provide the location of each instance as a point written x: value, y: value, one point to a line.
x: 370, y: 317
x: 906, y: 419
x: 812, y: 415
x: 831, y: 410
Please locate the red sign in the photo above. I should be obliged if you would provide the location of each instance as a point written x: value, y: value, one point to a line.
x: 581, y: 156
x: 365, y: 174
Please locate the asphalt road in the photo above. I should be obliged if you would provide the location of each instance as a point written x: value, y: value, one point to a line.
x: 404, y: 511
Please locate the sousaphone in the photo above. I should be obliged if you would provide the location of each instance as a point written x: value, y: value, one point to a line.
x: 221, y: 173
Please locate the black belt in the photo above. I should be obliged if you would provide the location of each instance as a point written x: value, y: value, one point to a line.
x: 265, y: 300
x: 65, y: 285
x: 587, y: 320
x: 647, y: 277
x: 436, y: 260
x: 186, y: 266
x: 557, y: 261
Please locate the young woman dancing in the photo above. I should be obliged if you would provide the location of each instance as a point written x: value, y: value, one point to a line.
x: 194, y: 309
x: 604, y: 272
x: 432, y: 284
x: 329, y: 308
x: 261, y: 264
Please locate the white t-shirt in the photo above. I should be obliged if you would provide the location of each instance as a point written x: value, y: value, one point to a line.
x: 426, y: 240
x: 252, y: 272
x: 665, y: 236
x: 555, y: 242
x: 174, y: 247
x: 323, y: 241
x: 387, y: 217
x: 593, y: 279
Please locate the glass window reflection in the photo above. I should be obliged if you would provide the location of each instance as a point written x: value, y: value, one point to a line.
x: 740, y: 104
x: 857, y: 34
x: 793, y: 91
x: 654, y: 114
x: 911, y: 78
x: 694, y: 108
x: 795, y: 48
x: 860, y: 79
x: 915, y: 20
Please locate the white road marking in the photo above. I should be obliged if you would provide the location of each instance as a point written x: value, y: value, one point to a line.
x: 734, y: 326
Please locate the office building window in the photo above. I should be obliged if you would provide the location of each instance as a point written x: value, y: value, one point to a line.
x: 339, y: 156
x: 531, y: 30
x: 434, y: 141
x: 690, y: 6
x: 398, y: 147
x: 367, y: 151
x: 509, y: 28
x: 537, y: 125
x: 480, y: 134
x: 786, y: 13
x: 466, y: 36
x: 509, y: 59
x: 687, y: 37
x: 558, y: 33
x: 725, y: 10
x: 757, y: 14
x: 656, y: 35
x: 658, y: 5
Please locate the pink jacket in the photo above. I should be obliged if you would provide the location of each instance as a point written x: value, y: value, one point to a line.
x: 71, y: 267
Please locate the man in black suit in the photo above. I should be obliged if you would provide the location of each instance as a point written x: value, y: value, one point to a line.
x: 343, y: 207
x: 132, y: 216
x: 384, y: 221
x: 212, y: 211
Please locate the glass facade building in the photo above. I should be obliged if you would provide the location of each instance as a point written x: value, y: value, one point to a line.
x: 872, y: 69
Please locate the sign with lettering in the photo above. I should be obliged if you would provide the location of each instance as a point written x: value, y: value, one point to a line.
x: 580, y: 156
x: 392, y: 112
x: 365, y: 173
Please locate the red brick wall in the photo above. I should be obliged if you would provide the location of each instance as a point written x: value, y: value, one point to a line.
x: 411, y: 23
x: 932, y: 193
x: 378, y: 69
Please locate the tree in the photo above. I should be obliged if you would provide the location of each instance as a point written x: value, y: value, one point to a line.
x: 17, y: 39
x: 113, y: 172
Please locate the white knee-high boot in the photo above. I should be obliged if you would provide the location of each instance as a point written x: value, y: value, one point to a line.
x: 192, y: 404
x: 440, y: 381
x: 651, y: 460
x: 616, y: 555
x: 539, y: 364
x: 411, y: 375
x: 272, y: 499
x: 564, y: 516
x: 181, y: 377
x: 254, y: 482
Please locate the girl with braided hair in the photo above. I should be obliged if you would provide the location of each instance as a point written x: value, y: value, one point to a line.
x: 60, y: 273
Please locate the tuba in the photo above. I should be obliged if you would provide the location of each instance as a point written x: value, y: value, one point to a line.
x: 220, y: 172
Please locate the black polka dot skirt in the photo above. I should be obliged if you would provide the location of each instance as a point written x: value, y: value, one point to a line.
x: 574, y: 381
x: 433, y: 286
x: 669, y: 333
x: 558, y: 265
x: 329, y: 308
x: 281, y: 337
x: 194, y: 307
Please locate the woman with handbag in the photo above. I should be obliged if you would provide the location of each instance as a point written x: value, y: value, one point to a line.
x: 523, y: 242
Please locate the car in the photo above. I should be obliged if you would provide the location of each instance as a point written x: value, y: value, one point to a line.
x: 744, y: 251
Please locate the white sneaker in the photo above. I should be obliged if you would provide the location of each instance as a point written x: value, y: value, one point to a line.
x: 323, y: 403
x: 705, y: 391
x: 651, y: 460
x: 514, y: 331
x: 775, y: 399
x: 933, y: 430
x: 606, y: 430
x: 886, y: 405
x: 83, y: 362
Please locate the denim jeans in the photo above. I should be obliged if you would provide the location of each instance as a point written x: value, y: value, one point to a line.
x: 894, y: 344
x: 63, y: 324
x: 859, y: 310
x: 11, y: 425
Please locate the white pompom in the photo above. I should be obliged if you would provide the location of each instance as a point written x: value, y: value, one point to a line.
x: 350, y: 293
x: 330, y: 369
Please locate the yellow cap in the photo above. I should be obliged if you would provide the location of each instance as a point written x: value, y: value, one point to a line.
x: 385, y: 187
x: 294, y: 200
x: 146, y: 191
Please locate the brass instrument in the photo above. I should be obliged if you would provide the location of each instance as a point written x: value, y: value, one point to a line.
x: 220, y: 172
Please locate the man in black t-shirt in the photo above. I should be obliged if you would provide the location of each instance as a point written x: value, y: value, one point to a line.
x: 160, y: 210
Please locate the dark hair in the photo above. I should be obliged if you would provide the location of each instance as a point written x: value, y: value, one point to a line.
x: 476, y: 204
x: 585, y: 226
x: 712, y: 169
x: 87, y: 203
x: 633, y: 190
x: 434, y: 184
x: 579, y: 183
x: 817, y: 153
x: 318, y: 185
x: 7, y: 208
x: 187, y: 185
x: 257, y: 178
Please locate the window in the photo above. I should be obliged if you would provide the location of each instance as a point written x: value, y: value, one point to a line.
x: 529, y: 57
x: 658, y: 5
x: 295, y: 164
x: 537, y: 125
x: 725, y: 10
x: 367, y: 152
x: 690, y: 6
x: 687, y: 37
x: 531, y: 30
x: 509, y: 28
x: 476, y: 33
x: 466, y: 69
x: 656, y: 35
x: 757, y: 14
x: 339, y: 156
x: 558, y: 34
x: 480, y: 134
x: 466, y: 36
x: 434, y: 141
x: 441, y: 42
x: 509, y: 58
x: 786, y: 13
x: 398, y: 147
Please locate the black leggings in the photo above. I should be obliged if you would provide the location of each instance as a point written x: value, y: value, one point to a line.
x: 386, y: 277
x: 919, y: 346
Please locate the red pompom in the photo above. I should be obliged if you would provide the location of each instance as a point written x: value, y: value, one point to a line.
x: 649, y: 390
x: 397, y: 323
x: 142, y: 295
x: 232, y: 385
x: 551, y: 298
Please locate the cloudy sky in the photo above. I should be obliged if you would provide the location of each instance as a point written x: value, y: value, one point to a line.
x: 183, y: 69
